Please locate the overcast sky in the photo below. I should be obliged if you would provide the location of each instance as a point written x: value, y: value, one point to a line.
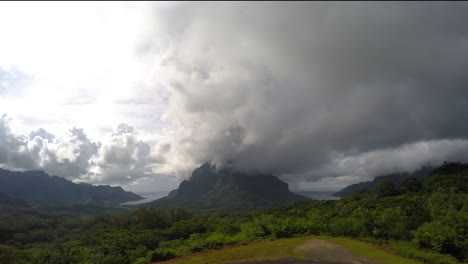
x: 321, y: 94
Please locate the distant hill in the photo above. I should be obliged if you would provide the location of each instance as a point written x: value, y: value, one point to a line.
x: 6, y: 200
x: 228, y: 189
x: 451, y: 176
x: 39, y: 187
x: 394, y: 177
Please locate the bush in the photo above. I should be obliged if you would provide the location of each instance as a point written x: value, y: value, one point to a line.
x: 435, y: 236
x: 391, y: 223
x: 217, y: 240
x: 141, y: 261
x: 410, y: 185
x: 252, y: 231
x: 161, y: 254
x: 349, y: 227
x: 10, y: 255
x: 386, y: 188
x: 228, y: 229
x: 407, y: 249
x: 184, y: 228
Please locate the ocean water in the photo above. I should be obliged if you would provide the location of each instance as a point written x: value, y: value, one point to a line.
x: 149, y: 196
x: 319, y: 195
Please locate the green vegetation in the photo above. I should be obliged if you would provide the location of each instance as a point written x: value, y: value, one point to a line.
x: 397, y: 178
x: 427, y: 222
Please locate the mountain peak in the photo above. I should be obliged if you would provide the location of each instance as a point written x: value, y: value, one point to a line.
x: 225, y: 187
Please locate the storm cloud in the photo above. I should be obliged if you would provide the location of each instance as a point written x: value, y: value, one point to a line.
x: 294, y: 88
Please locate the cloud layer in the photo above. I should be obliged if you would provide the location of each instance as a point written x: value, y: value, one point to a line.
x: 287, y: 87
x: 319, y: 93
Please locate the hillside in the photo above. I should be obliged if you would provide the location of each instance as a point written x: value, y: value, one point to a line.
x: 228, y: 188
x: 394, y: 177
x: 427, y: 224
x: 6, y: 200
x: 39, y: 187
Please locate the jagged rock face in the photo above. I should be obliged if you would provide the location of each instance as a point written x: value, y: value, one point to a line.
x: 228, y: 188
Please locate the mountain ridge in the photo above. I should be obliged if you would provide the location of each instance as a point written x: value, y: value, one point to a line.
x: 39, y: 187
x: 370, y: 186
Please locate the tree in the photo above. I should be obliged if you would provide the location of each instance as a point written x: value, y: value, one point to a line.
x: 410, y: 185
x: 386, y: 188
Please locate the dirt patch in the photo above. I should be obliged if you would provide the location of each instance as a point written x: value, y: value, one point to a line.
x: 278, y: 261
x: 319, y: 252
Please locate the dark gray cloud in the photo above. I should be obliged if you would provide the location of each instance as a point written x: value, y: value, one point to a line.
x: 294, y: 88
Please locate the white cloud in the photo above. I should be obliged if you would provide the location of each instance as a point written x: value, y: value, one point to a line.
x: 126, y: 157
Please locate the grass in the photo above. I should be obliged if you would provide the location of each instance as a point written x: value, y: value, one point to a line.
x: 264, y: 250
x: 281, y: 248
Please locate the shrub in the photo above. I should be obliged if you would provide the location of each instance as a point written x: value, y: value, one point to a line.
x: 407, y: 249
x: 386, y: 188
x: 141, y: 261
x: 161, y: 254
x: 349, y: 227
x: 435, y: 236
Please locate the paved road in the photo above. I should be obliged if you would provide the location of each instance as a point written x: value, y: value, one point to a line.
x: 319, y: 252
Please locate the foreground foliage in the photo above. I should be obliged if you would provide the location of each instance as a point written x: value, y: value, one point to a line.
x: 425, y: 220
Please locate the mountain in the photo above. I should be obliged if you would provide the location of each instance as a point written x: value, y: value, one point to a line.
x: 228, y: 189
x: 394, y: 177
x: 6, y: 200
x: 451, y: 177
x: 39, y: 187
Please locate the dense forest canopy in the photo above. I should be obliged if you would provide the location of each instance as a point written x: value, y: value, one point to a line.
x: 427, y: 220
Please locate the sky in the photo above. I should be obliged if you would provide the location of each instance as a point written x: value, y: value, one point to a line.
x: 323, y: 95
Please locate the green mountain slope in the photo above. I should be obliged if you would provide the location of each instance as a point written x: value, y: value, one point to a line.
x: 39, y: 187
x: 394, y: 177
